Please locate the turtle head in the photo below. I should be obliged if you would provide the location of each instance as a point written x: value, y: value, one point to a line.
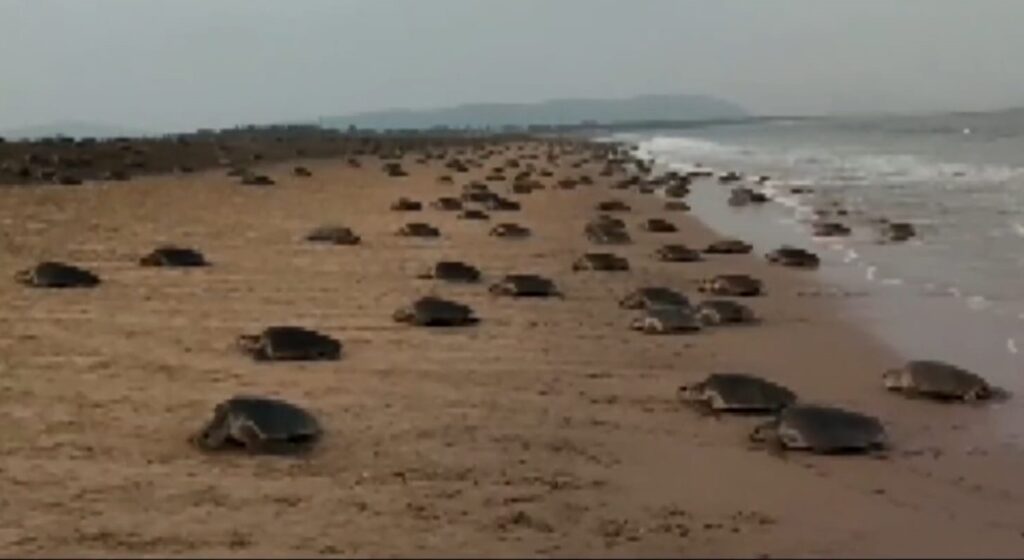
x: 893, y: 379
x: 23, y: 276
x: 693, y: 392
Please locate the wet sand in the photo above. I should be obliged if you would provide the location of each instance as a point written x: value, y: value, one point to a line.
x: 549, y: 429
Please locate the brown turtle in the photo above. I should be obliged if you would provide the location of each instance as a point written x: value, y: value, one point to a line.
x: 606, y: 262
x: 286, y: 342
x: 677, y: 206
x: 937, y: 380
x: 793, y: 257
x: 419, y: 229
x: 259, y: 425
x: 334, y: 235
x: 300, y: 171
x: 613, y: 205
x: 52, y: 274
x: 451, y: 271
x: 659, y: 225
x: 172, y: 256
x: 606, y: 234
x: 525, y: 285
x: 501, y: 204
x: 677, y: 253
x: 474, y: 214
x: 739, y: 285
x: 430, y: 311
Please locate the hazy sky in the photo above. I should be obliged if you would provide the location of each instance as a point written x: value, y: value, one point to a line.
x: 180, y: 64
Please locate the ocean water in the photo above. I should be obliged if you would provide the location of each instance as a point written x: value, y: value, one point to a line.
x: 956, y: 292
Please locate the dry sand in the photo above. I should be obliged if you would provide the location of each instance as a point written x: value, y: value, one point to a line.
x: 550, y: 429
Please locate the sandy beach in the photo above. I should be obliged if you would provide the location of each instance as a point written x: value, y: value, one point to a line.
x: 549, y: 429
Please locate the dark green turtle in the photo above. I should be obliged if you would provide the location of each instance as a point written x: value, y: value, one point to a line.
x: 419, y: 229
x: 431, y: 311
x: 659, y: 225
x: 404, y: 204
x: 653, y: 296
x: 172, y: 256
x: 259, y: 425
x: 606, y: 262
x: 289, y: 343
x: 613, y: 205
x: 793, y: 257
x: 52, y: 274
x: 525, y: 285
x: 451, y: 271
x: 737, y: 392
x: 334, y: 235
x: 740, y: 285
x: 822, y: 429
x: 724, y: 312
x: 728, y: 247
x: 666, y: 320
x: 677, y: 253
x: 937, y: 380
x: 509, y: 230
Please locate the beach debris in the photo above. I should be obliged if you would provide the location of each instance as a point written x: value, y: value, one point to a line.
x: 525, y: 285
x: 713, y: 312
x: 335, y: 235
x: 432, y: 311
x: 937, y: 380
x: 259, y: 425
x: 667, y: 319
x: 653, y: 296
x: 821, y: 429
x: 173, y: 256
x: 737, y: 285
x: 451, y: 271
x: 289, y: 343
x: 53, y: 274
x: 728, y: 246
x: 736, y: 392
x: 793, y: 257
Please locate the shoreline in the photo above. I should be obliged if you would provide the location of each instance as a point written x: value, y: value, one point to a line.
x: 550, y: 429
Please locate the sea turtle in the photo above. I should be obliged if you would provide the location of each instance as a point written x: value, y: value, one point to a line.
x: 430, y: 311
x: 300, y: 171
x: 419, y: 229
x: 937, y: 380
x: 171, y: 256
x: 500, y: 204
x: 793, y: 257
x: 473, y: 214
x: 279, y: 343
x: 740, y: 285
x: 606, y: 234
x: 742, y: 196
x: 259, y: 425
x: 604, y: 220
x: 666, y: 320
x: 659, y: 225
x: 335, y: 235
x: 451, y: 271
x: 821, y: 429
x: 256, y: 180
x: 736, y: 392
x: 898, y: 231
x: 510, y: 231
x: 653, y: 296
x: 404, y: 204
x: 677, y: 191
x: 724, y: 312
x: 677, y: 253
x: 729, y: 177
x: 606, y: 262
x: 830, y: 229
x: 728, y: 247
x: 447, y: 203
x: 677, y: 206
x: 613, y: 205
x: 51, y: 274
x: 525, y: 285
x: 478, y: 197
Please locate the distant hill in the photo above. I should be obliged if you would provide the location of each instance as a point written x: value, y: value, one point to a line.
x: 71, y: 129
x: 553, y: 112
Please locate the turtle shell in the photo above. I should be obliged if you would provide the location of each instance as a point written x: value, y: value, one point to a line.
x: 274, y: 421
x: 654, y: 296
x: 743, y: 392
x: 794, y: 257
x: 723, y: 312
x: 525, y: 285
x: 174, y: 257
x: 728, y: 247
x: 432, y: 311
x: 601, y: 262
x: 828, y: 429
x: 667, y: 319
x: 294, y: 343
x: 51, y: 274
x: 678, y: 253
x: 453, y: 271
x: 941, y: 380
